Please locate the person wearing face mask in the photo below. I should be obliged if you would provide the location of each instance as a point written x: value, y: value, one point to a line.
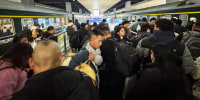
x: 163, y: 79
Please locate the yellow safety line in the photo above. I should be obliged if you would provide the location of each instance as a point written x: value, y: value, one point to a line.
x: 66, y: 60
x: 195, y: 12
x: 60, y: 37
x: 16, y: 16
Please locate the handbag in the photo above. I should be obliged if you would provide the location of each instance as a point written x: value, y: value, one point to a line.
x: 87, y: 69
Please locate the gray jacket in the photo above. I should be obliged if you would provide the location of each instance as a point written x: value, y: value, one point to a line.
x: 188, y: 63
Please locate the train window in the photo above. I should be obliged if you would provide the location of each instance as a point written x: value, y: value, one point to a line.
x: 6, y: 27
x: 193, y: 19
x: 27, y: 23
x: 184, y: 19
x: 57, y: 22
x: 51, y: 21
x: 63, y: 21
x: 47, y: 22
x: 42, y: 23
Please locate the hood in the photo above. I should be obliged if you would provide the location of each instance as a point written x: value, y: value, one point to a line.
x: 194, y: 33
x: 163, y: 36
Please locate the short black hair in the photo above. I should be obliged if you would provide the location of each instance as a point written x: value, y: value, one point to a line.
x: 164, y: 25
x: 138, y: 20
x: 17, y: 38
x: 144, y: 19
x: 173, y: 20
x: 104, y: 20
x: 50, y: 28
x: 28, y: 32
x: 153, y: 19
x: 125, y: 22
x: 105, y: 30
x: 70, y: 20
x: 178, y: 21
x: 144, y: 27
x: 38, y: 25
x: 96, y: 32
x: 83, y: 25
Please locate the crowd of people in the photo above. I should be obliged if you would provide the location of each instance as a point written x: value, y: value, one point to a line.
x: 154, y: 59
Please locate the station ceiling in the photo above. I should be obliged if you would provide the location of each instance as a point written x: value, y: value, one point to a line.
x: 88, y: 6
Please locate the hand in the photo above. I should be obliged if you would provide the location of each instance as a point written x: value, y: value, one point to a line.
x: 91, y: 56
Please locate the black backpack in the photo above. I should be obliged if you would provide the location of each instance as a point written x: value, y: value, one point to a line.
x: 70, y: 30
x: 126, y: 58
x: 74, y: 40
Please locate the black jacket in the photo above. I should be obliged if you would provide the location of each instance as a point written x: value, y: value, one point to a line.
x: 60, y: 83
x: 152, y: 84
x: 47, y: 35
x: 112, y: 80
x: 83, y: 36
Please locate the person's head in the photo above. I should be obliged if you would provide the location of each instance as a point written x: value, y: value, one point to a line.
x: 173, y: 20
x: 19, y: 55
x: 20, y: 38
x: 51, y: 30
x: 96, y: 39
x: 35, y: 33
x: 164, y: 25
x: 196, y: 26
x: 70, y: 21
x: 179, y: 22
x: 37, y: 26
x: 119, y: 30
x: 189, y: 26
x: 153, y: 21
x: 46, y: 55
x: 28, y: 32
x: 84, y: 25
x: 88, y: 21
x: 145, y: 27
x: 76, y: 20
x: 138, y: 20
x: 125, y: 24
x: 104, y: 20
x: 144, y: 19
x: 94, y: 24
x: 106, y: 32
x: 169, y: 64
x: 133, y: 20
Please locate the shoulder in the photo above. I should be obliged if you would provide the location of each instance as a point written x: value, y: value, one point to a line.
x: 147, y: 42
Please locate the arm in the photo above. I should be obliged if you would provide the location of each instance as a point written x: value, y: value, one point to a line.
x: 188, y: 63
x: 79, y: 58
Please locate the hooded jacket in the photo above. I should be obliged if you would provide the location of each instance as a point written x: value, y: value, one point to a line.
x: 144, y: 46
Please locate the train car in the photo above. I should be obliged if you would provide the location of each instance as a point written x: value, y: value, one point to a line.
x: 15, y: 17
x: 173, y: 10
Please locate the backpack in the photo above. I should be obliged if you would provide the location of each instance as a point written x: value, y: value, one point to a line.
x: 126, y: 58
x: 70, y: 30
x: 193, y: 45
x: 74, y: 40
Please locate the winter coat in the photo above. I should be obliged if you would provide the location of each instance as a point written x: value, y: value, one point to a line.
x: 111, y: 80
x: 60, y: 83
x: 188, y: 35
x: 12, y: 80
x: 47, y: 35
x: 151, y: 85
x: 166, y: 37
x: 73, y: 26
